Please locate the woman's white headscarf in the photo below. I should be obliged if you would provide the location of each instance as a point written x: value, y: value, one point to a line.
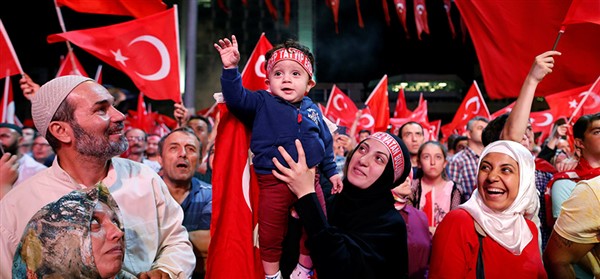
x: 509, y: 227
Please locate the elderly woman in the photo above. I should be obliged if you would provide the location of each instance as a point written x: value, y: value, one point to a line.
x: 78, y: 236
x: 363, y: 235
x: 492, y: 235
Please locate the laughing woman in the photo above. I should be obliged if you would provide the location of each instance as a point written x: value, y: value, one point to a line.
x: 492, y: 235
x: 363, y: 235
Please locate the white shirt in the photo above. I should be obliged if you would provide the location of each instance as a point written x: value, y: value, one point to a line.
x: 154, y: 235
x: 28, y: 167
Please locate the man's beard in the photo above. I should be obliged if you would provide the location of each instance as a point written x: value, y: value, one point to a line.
x: 13, y: 149
x: 100, y: 147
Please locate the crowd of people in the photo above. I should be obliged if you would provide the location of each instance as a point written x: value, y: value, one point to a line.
x: 117, y: 202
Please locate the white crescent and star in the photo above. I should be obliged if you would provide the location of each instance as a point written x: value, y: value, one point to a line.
x: 592, y: 95
x: 468, y: 103
x: 258, y: 67
x: 547, y: 122
x: 165, y: 66
x: 369, y: 118
x: 336, y: 105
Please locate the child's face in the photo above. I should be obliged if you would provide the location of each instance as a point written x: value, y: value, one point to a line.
x: 289, y: 81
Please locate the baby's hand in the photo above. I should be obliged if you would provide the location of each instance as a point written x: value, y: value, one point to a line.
x: 230, y: 55
x: 337, y: 183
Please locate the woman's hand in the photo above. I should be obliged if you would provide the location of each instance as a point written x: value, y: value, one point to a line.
x: 299, y: 178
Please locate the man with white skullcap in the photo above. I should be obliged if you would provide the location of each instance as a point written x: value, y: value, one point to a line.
x: 76, y: 116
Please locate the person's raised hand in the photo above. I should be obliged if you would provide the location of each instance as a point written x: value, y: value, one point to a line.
x: 154, y: 274
x: 228, y: 49
x: 542, y: 65
x: 299, y: 177
x: 181, y: 114
x: 337, y: 184
x: 28, y: 87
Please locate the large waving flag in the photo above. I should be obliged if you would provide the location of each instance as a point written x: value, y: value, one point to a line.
x: 379, y: 105
x: 70, y: 65
x: 135, y: 8
x: 522, y: 30
x: 472, y: 105
x: 340, y: 109
x: 254, y: 73
x: 232, y: 252
x: 146, y: 49
x: 9, y: 62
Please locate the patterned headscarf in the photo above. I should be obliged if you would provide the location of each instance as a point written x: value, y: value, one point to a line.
x: 57, y: 241
x: 509, y: 227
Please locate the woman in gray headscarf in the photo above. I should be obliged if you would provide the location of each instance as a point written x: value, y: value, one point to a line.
x: 78, y: 236
x: 492, y: 234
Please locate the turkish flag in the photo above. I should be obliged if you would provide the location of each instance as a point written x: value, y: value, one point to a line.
x: 434, y: 129
x: 564, y: 104
x: 70, y: 66
x: 401, y: 111
x: 522, y: 30
x: 379, y: 105
x: 361, y: 23
x: 583, y: 11
x: 233, y: 253
x: 541, y: 122
x: 7, y: 105
x: 471, y: 106
x: 503, y: 110
x: 210, y: 112
x: 9, y: 62
x: 135, y: 8
x: 386, y: 12
x: 335, y: 8
x: 340, y: 109
x: 421, y: 17
x: 400, y: 7
x: 447, y: 7
x: 146, y: 49
x: 254, y: 73
x: 419, y: 115
x: 366, y: 120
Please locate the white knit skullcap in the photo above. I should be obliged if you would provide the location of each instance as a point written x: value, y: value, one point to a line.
x: 49, y: 97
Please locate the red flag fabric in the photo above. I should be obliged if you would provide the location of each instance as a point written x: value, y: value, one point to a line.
x: 583, y: 11
x: 7, y: 105
x: 400, y: 6
x: 366, y: 120
x: 234, y: 216
x: 71, y: 66
x: 135, y: 8
x: 421, y: 17
x: 448, y: 7
x: 471, y: 106
x: 335, y: 8
x: 286, y: 12
x: 146, y: 49
x: 386, y: 12
x: 254, y: 74
x: 419, y: 115
x: 563, y: 104
x: 272, y: 9
x: 503, y: 110
x: 210, y: 112
x: 379, y: 105
x: 361, y: 23
x: 401, y: 111
x: 340, y: 108
x: 9, y: 62
x: 529, y: 28
x: 434, y: 129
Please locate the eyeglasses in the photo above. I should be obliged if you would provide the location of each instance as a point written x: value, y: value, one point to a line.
x: 40, y: 144
x: 135, y: 138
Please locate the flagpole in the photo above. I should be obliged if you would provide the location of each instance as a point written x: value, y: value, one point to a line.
x: 560, y: 32
x: 11, y: 48
x: 98, y: 72
x: 592, y: 89
x: 5, y: 98
x: 61, y: 22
